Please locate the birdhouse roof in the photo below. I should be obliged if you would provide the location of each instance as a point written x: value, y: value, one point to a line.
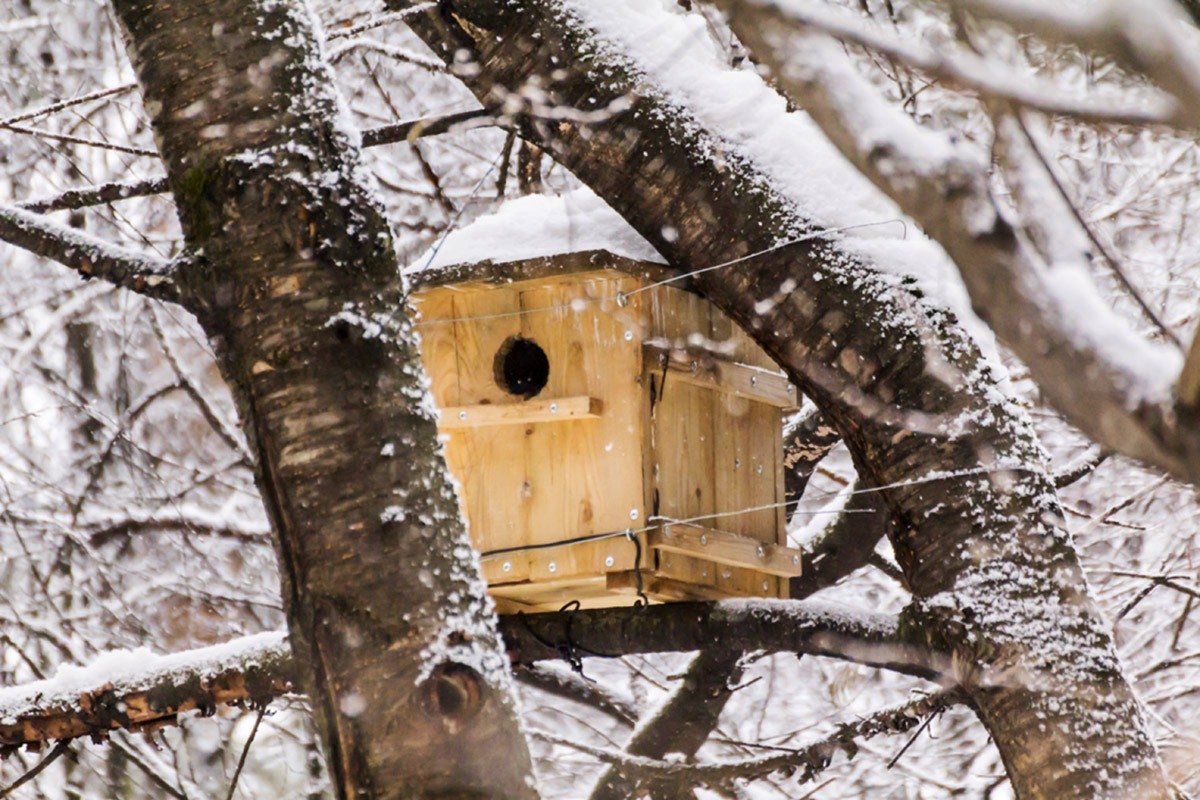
x: 528, y: 231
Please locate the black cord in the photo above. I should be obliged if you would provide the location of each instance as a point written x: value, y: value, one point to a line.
x: 523, y: 548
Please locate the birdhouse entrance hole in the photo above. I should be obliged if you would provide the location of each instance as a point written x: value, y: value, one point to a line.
x: 522, y: 367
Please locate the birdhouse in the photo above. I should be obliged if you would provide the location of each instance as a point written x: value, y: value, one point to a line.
x: 610, y: 433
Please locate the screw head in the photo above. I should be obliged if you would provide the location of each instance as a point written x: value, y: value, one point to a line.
x: 462, y: 415
x: 795, y: 559
x: 633, y: 513
x: 552, y: 567
x: 629, y: 336
x: 760, y: 551
x: 609, y: 561
x: 753, y: 380
x: 506, y: 566
x: 703, y: 539
x: 727, y: 573
x: 759, y: 469
x: 737, y: 463
x: 554, y: 408
x: 766, y: 586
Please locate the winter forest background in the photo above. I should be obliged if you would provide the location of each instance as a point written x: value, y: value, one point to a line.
x: 129, y: 514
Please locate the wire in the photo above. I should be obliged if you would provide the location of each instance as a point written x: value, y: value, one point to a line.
x: 622, y: 297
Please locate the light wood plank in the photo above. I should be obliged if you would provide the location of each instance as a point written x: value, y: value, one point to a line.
x: 727, y: 548
x: 560, y: 409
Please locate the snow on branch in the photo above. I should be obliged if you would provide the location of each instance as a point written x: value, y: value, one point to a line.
x: 138, y: 690
x: 967, y: 70
x: 1091, y: 363
x: 89, y: 256
x: 800, y: 764
x: 1150, y: 37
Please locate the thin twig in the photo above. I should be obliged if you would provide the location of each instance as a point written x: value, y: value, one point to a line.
x: 237, y: 773
x: 53, y: 756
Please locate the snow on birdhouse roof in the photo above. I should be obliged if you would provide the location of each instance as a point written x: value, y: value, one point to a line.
x: 537, y: 226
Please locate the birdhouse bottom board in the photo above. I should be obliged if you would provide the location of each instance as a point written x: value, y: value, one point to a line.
x: 606, y: 438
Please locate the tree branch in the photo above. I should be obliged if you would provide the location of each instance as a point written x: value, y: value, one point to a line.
x: 807, y: 761
x: 1145, y: 37
x: 1091, y: 364
x: 680, y: 725
x: 89, y: 256
x: 138, y: 690
x: 372, y: 137
x: 966, y: 70
x: 809, y: 627
x: 570, y: 685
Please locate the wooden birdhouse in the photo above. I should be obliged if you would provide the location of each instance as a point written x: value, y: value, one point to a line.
x: 606, y: 431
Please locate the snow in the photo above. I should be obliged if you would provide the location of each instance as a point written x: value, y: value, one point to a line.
x: 125, y: 671
x: 536, y: 226
x: 747, y: 120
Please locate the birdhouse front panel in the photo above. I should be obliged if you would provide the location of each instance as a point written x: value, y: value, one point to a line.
x: 539, y: 389
x: 608, y: 435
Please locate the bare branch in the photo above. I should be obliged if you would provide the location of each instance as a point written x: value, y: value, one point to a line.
x: 89, y: 256
x: 568, y: 684
x: 426, y: 126
x: 97, y: 195
x: 54, y: 108
x: 372, y: 137
x: 680, y: 725
x: 807, y: 761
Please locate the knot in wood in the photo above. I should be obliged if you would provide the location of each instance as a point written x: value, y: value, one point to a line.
x: 453, y: 692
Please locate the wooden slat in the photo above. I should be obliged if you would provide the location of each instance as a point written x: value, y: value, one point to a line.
x: 490, y: 463
x: 740, y: 380
x: 661, y: 588
x: 586, y: 478
x: 727, y: 548
x: 560, y: 409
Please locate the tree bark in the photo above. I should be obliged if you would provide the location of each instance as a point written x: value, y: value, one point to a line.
x: 976, y: 522
x: 296, y: 283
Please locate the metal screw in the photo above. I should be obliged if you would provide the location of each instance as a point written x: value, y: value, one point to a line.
x: 554, y: 408
x: 462, y: 415
x: 609, y: 561
x: 629, y: 336
x: 759, y: 551
x: 633, y: 513
x: 753, y: 380
x: 737, y: 462
x: 703, y: 539
x: 727, y: 573
x: 506, y: 566
x: 759, y: 469
x: 766, y: 586
x: 795, y: 559
x: 552, y: 567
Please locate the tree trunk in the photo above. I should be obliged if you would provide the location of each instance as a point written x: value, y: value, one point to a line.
x: 296, y: 284
x: 975, y: 520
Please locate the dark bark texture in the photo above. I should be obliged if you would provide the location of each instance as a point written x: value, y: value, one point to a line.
x: 296, y: 283
x: 975, y: 522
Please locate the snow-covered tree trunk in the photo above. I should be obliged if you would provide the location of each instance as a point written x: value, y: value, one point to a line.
x: 975, y: 520
x: 295, y: 281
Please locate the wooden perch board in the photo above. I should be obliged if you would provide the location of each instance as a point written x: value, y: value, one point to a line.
x: 561, y: 409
